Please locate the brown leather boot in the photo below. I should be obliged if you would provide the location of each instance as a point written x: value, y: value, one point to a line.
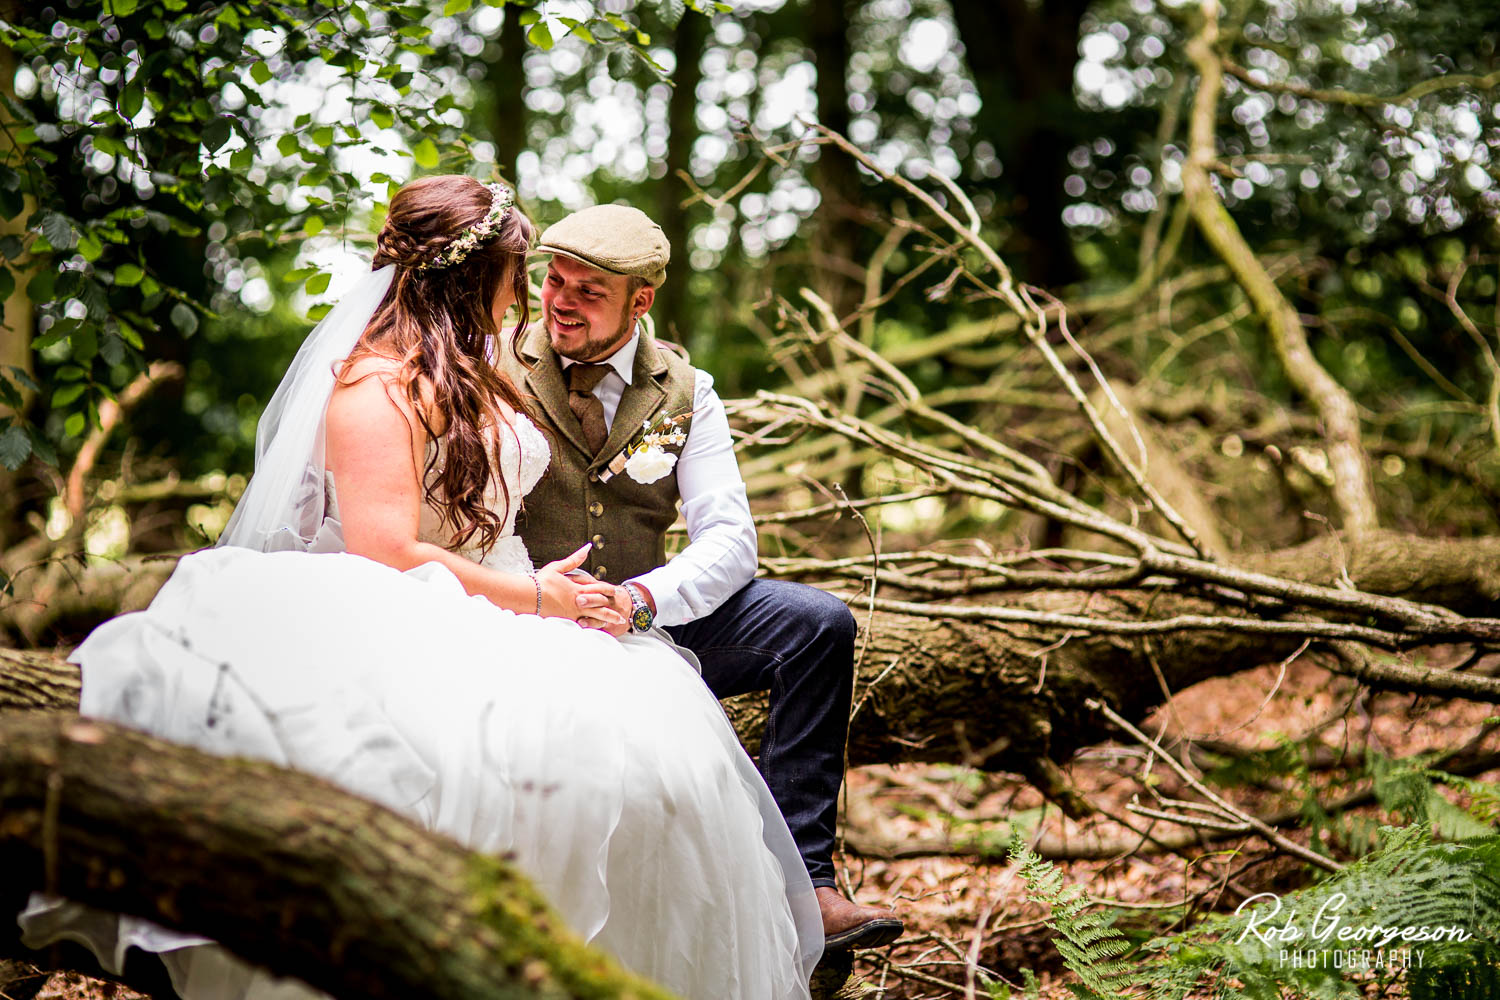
x: 848, y: 925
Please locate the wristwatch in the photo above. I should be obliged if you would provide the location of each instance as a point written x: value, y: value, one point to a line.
x: 641, y: 615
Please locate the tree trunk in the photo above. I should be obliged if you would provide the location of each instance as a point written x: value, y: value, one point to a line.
x: 682, y: 123
x: 838, y: 276
x: 507, y: 76
x: 1021, y: 55
x: 290, y: 871
x: 16, y: 311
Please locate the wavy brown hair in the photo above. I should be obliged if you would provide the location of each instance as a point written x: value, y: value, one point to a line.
x: 438, y: 325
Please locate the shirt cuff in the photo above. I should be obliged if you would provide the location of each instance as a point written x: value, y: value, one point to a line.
x: 671, y: 609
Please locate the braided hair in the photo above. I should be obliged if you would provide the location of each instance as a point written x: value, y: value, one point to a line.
x: 437, y: 323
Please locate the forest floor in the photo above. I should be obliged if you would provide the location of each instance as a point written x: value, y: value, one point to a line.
x: 968, y: 917
x: 963, y: 909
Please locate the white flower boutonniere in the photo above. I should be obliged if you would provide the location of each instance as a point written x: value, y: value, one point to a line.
x: 647, y: 465
x: 646, y: 458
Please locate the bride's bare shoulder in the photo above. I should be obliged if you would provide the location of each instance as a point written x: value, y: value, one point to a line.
x: 371, y: 385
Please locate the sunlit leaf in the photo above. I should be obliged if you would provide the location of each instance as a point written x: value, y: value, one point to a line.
x: 456, y: 7
x: 127, y: 275
x: 260, y: 72
x: 426, y: 154
x: 540, y: 35
x: 68, y: 393
x: 74, y: 425
x: 318, y: 283
x: 90, y: 247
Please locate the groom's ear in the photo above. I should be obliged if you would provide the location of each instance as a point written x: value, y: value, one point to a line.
x: 644, y: 296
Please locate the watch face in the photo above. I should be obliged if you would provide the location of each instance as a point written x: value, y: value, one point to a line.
x: 640, y: 619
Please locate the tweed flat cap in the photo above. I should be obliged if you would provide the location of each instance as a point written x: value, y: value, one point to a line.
x: 614, y: 238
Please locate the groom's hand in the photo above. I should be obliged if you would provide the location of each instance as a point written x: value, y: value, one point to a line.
x: 618, y: 599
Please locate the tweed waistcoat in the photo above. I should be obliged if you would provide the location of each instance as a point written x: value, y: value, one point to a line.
x: 625, y: 520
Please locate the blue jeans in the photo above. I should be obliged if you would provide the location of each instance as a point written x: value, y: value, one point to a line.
x: 796, y: 642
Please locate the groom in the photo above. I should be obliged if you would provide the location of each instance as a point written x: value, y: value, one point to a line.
x: 598, y: 377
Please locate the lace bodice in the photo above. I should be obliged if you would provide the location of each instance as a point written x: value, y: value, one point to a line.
x: 523, y: 458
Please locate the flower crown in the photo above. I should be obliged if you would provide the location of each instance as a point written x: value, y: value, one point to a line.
x: 501, y: 200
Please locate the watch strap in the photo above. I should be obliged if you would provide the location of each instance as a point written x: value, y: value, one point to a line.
x: 641, y: 615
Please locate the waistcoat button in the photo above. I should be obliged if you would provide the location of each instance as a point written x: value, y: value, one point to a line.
x: 601, y: 572
x: 596, y: 508
x: 598, y: 541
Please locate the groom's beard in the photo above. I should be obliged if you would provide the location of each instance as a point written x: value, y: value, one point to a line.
x: 591, y: 348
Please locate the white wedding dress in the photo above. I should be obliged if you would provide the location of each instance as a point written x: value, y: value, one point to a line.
x: 604, y: 767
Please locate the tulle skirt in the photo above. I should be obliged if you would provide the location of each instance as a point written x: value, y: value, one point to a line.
x: 605, y: 767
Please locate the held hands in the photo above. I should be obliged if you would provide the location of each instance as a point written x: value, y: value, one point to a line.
x: 568, y: 592
x: 595, y: 614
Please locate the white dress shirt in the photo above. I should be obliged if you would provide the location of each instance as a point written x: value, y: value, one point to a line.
x: 720, y: 556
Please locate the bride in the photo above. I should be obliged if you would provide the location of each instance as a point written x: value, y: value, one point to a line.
x: 373, y: 619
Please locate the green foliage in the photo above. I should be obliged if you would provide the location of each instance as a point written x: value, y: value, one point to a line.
x: 153, y: 147
x: 1415, y: 908
x: 1086, y: 937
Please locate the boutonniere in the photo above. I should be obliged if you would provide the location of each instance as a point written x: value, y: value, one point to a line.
x: 645, y: 457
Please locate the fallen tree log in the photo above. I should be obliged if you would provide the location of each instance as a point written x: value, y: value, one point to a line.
x: 1012, y: 696
x: 304, y: 878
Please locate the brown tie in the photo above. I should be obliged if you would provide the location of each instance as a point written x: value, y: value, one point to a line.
x: 585, y: 405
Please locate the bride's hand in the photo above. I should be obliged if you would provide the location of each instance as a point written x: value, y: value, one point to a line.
x: 597, y: 599
x: 564, y: 597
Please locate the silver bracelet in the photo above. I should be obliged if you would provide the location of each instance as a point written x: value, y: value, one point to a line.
x: 538, y: 585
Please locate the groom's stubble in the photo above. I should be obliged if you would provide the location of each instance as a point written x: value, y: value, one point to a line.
x: 593, y: 348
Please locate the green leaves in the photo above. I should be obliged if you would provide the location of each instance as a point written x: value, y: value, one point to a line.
x: 540, y: 35
x: 425, y: 153
x: 132, y: 261
x: 58, y: 230
x: 132, y: 99
x: 670, y: 11
x: 15, y: 447
x: 185, y: 319
x: 217, y: 133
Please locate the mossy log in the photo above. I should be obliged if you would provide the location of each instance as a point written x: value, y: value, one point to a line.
x: 1013, y: 697
x: 302, y: 877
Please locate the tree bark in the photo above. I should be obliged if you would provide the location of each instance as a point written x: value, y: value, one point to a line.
x: 1021, y: 55
x: 507, y: 76
x: 682, y: 124
x: 16, y: 312
x: 1013, y: 697
x: 838, y: 275
x: 290, y: 871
